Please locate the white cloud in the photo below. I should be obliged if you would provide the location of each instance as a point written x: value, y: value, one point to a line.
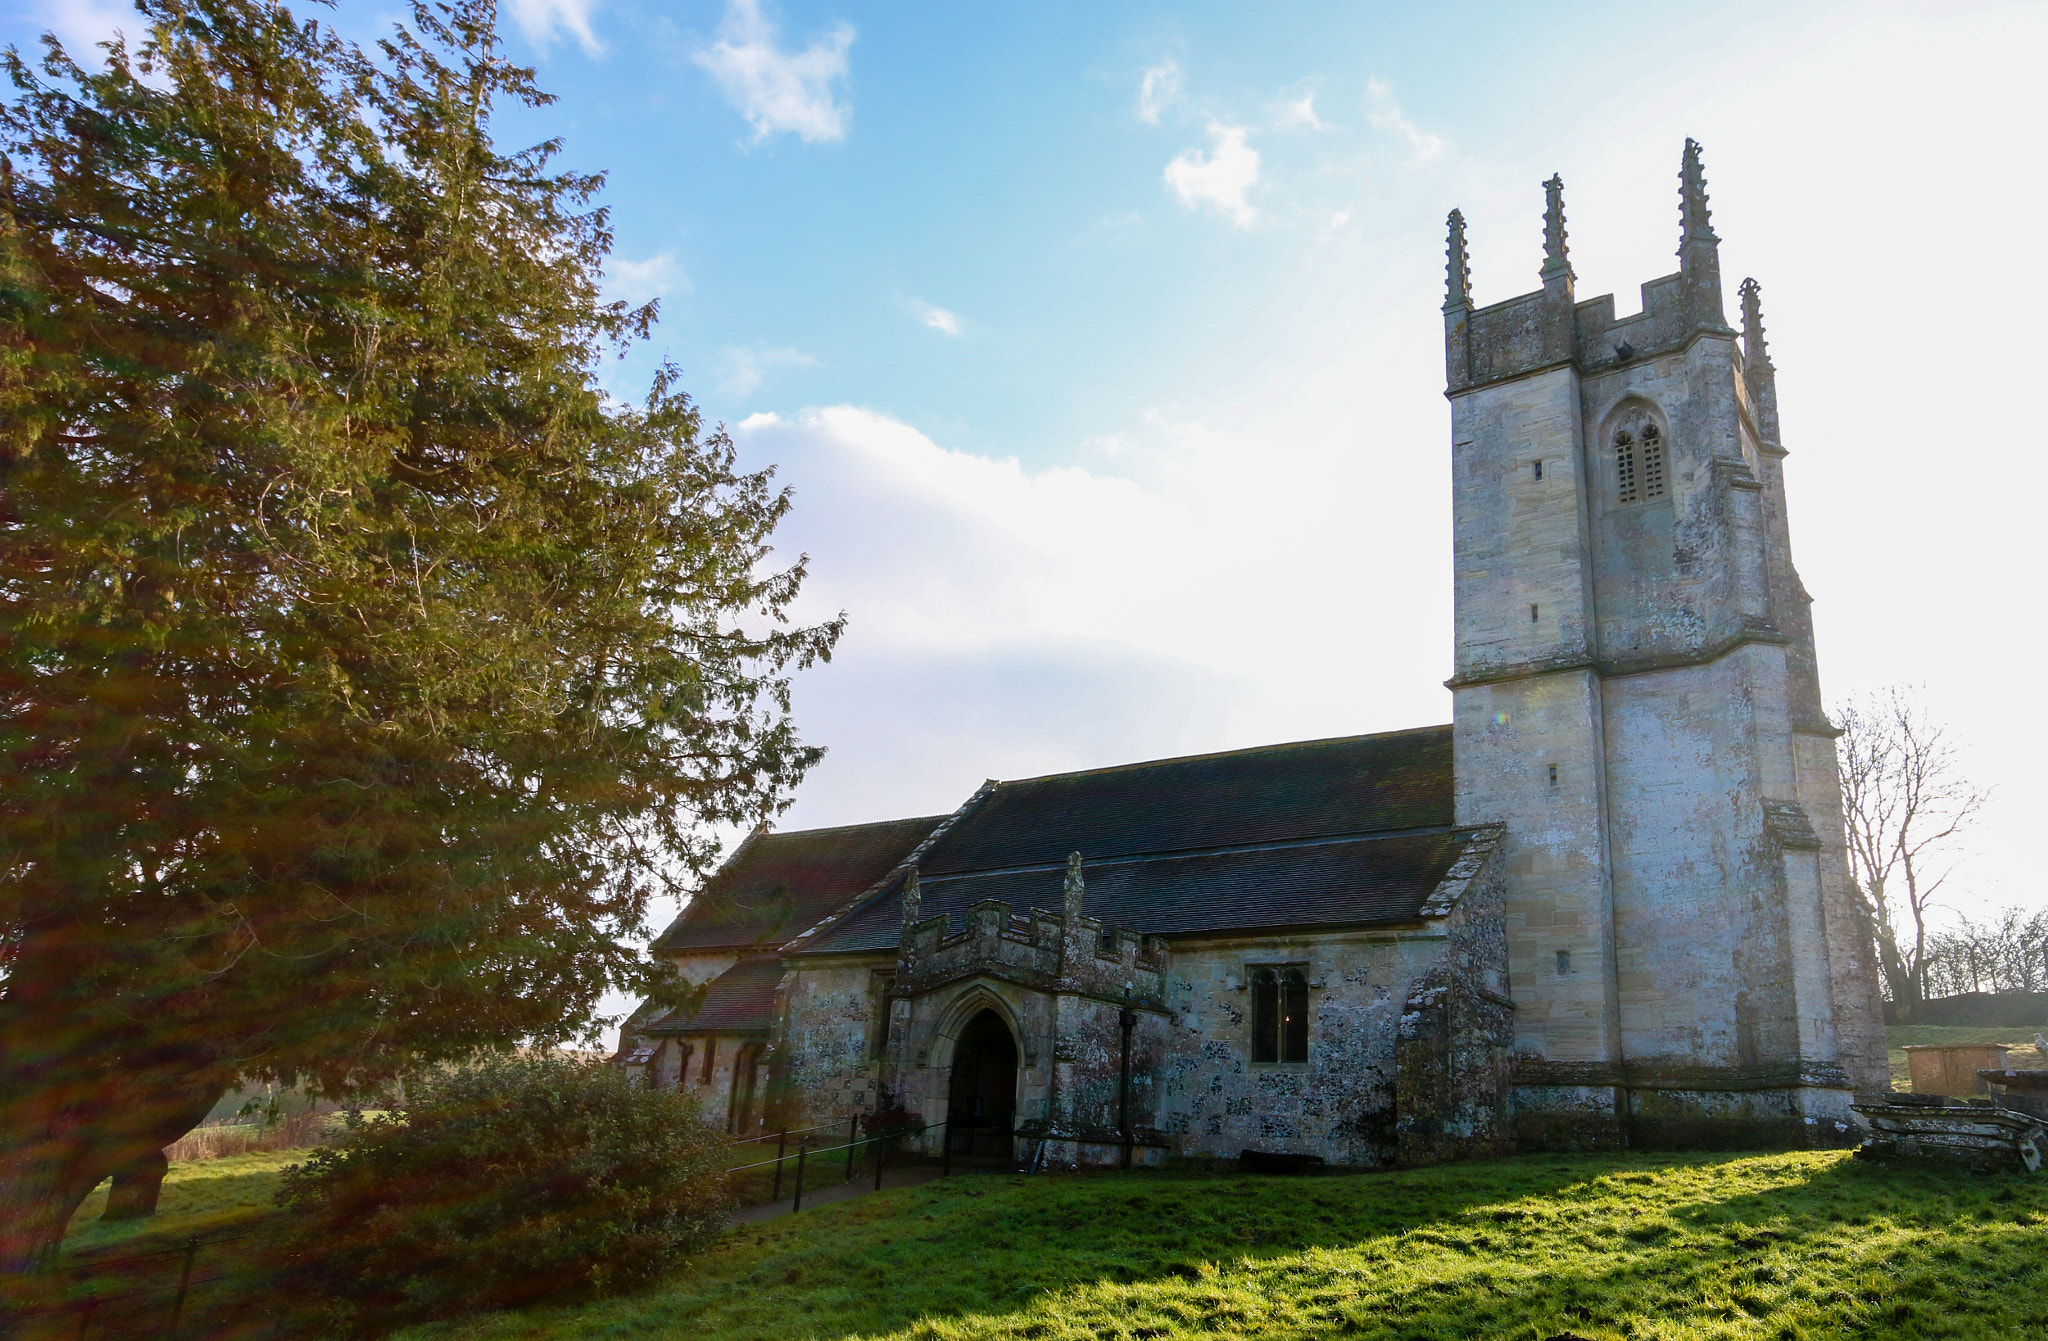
x: 1300, y: 112
x: 540, y: 20
x: 82, y: 24
x: 1008, y: 621
x: 1385, y: 113
x: 637, y: 281
x: 1219, y: 177
x: 741, y: 371
x: 778, y: 90
x: 938, y: 318
x: 1158, y: 89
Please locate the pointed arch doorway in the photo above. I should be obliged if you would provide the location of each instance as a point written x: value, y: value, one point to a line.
x: 982, y: 1099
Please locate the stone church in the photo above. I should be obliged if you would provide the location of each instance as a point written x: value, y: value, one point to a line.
x: 1608, y: 904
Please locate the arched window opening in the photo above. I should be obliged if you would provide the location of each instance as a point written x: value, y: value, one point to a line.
x: 1279, y: 1014
x: 1640, y: 475
x: 1653, y: 463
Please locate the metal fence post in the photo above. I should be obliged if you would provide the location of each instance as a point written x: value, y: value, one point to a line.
x: 781, y: 1138
x: 852, y: 1143
x: 946, y: 1149
x: 798, y: 1204
x: 184, y: 1279
x: 881, y: 1145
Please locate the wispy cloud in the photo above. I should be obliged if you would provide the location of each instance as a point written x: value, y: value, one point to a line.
x: 1385, y: 113
x: 938, y: 318
x: 540, y: 20
x: 638, y: 281
x: 741, y: 371
x: 778, y: 90
x: 1158, y: 88
x: 1299, y: 112
x: 1220, y: 177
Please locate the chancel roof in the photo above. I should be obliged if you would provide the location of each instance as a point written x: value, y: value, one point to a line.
x: 777, y: 885
x: 740, y: 1000
x: 1350, y: 831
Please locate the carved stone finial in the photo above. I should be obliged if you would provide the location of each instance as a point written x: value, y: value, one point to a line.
x: 1071, y: 893
x: 1755, y: 352
x: 1556, y: 263
x: 1458, y: 270
x: 1696, y: 225
x: 912, y: 897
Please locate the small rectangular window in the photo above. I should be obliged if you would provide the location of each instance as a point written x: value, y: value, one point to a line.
x: 1564, y: 962
x: 710, y: 1056
x: 1553, y: 775
x: 1539, y: 470
x: 1532, y: 612
x: 1279, y: 1014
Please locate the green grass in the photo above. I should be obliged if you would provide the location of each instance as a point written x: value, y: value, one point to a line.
x: 1898, y: 1037
x: 1809, y: 1244
x: 201, y: 1197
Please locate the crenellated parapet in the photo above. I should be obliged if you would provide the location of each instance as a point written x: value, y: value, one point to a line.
x: 1062, y: 953
x: 1549, y: 328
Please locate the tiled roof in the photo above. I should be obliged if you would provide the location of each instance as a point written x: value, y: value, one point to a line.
x: 1328, y: 832
x: 779, y: 884
x: 1278, y: 793
x: 1329, y: 882
x: 740, y: 1000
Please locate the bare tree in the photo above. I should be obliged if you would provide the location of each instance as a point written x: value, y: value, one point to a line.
x: 1907, y: 802
x: 2008, y: 952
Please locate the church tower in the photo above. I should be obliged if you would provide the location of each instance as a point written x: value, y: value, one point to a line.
x: 1637, y: 699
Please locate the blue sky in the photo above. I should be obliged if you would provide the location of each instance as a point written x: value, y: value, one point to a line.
x: 1101, y: 342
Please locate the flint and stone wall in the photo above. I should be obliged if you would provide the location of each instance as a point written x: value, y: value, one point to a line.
x: 1407, y: 1050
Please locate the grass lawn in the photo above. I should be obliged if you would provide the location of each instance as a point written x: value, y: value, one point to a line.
x: 1810, y: 1244
x: 118, y: 1282
x: 202, y: 1197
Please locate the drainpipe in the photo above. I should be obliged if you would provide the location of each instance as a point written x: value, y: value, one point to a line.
x: 1127, y: 1019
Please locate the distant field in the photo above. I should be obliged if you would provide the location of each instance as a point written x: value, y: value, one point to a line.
x: 1675, y: 1247
x: 1898, y: 1037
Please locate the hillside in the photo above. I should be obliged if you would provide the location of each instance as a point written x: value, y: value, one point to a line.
x: 1675, y: 1246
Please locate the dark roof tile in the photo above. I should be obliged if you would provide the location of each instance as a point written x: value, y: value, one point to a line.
x: 1277, y: 793
x: 740, y: 1000
x: 780, y: 884
x: 1337, y: 882
x: 1349, y: 831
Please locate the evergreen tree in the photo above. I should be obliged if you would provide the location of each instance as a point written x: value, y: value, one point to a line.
x: 364, y: 668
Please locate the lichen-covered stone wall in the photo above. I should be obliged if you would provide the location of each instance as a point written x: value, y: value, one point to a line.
x: 825, y: 1065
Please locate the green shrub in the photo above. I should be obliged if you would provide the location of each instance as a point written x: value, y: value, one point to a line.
x: 503, y: 1182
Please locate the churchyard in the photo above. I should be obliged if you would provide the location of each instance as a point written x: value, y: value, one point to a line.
x: 1807, y: 1244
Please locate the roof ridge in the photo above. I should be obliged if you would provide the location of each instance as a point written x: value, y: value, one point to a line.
x: 908, y: 863
x: 1190, y: 853
x: 841, y: 828
x: 1225, y: 754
